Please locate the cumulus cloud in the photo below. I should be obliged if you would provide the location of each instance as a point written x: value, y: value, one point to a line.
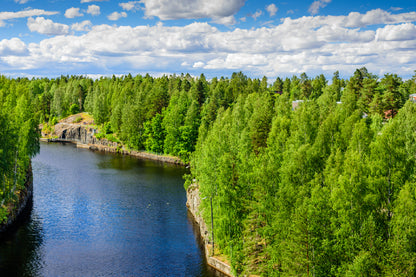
x: 316, y: 5
x: 403, y: 32
x: 82, y: 26
x: 12, y: 47
x: 321, y: 44
x: 131, y: 5
x: 377, y: 16
x: 186, y: 9
x: 272, y: 9
x: 22, y: 14
x: 94, y: 10
x: 47, y: 26
x: 116, y: 16
x: 72, y: 12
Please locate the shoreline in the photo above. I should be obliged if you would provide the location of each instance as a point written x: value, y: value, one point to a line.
x: 107, y: 147
x: 83, y: 137
x: 21, y: 208
x: 193, y: 202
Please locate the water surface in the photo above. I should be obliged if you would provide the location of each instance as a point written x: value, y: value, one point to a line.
x: 98, y: 214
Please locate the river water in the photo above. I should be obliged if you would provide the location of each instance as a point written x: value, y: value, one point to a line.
x: 98, y: 214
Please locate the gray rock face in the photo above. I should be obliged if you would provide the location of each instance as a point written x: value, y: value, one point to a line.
x: 75, y: 133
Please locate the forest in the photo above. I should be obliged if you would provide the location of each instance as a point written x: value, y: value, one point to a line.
x: 307, y: 176
x: 19, y: 141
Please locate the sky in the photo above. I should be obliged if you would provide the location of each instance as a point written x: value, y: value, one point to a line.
x: 49, y: 38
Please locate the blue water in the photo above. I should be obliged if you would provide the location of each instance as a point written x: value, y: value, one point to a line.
x: 98, y: 214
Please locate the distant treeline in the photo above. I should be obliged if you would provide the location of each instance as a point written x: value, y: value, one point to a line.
x: 322, y: 187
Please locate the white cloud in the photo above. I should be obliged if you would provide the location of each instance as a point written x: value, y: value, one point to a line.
x: 396, y: 9
x: 82, y: 27
x: 72, y: 12
x: 22, y: 14
x: 403, y: 32
x: 198, y: 65
x: 256, y: 14
x: 93, y: 10
x: 89, y: 1
x: 272, y: 9
x: 131, y: 5
x: 353, y: 19
x: 321, y: 44
x: 228, y: 20
x: 21, y: 1
x: 316, y: 5
x: 12, y: 47
x: 116, y: 16
x: 47, y: 26
x: 191, y: 9
x: 378, y: 16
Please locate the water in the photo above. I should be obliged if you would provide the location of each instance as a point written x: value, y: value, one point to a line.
x: 98, y: 214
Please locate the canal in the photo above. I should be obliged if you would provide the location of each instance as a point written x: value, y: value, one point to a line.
x: 97, y: 214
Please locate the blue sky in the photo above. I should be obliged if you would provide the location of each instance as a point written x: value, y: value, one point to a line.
x: 215, y: 37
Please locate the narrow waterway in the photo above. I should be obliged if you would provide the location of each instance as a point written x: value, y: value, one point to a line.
x: 98, y: 214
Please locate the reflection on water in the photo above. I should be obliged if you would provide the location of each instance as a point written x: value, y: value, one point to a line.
x: 19, y: 250
x: 103, y: 215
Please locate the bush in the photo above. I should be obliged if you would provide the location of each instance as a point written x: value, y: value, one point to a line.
x: 74, y: 109
x: 53, y: 120
x: 100, y: 135
x: 107, y: 128
x: 3, y: 214
x: 112, y: 138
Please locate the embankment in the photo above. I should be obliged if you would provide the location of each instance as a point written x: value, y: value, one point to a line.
x: 193, y: 204
x: 19, y: 209
x: 84, y: 137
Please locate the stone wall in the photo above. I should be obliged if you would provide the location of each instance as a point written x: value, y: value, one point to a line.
x: 193, y: 203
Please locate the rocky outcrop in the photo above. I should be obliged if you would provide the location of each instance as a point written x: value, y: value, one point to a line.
x: 23, y: 204
x: 193, y: 203
x: 84, y: 137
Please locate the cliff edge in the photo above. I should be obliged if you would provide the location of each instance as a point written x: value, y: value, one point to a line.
x: 79, y: 129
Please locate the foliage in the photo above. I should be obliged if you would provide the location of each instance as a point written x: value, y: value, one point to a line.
x: 326, y: 188
x: 19, y: 138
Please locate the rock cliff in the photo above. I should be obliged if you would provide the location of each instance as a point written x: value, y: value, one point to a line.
x: 193, y: 203
x: 84, y: 137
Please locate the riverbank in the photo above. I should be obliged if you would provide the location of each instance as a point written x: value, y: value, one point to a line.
x: 193, y: 203
x: 82, y: 133
x: 80, y: 130
x: 18, y: 210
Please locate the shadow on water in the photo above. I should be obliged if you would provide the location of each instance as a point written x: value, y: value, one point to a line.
x: 125, y: 162
x: 19, y: 247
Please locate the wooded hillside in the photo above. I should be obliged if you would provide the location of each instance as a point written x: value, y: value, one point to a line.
x: 324, y: 186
